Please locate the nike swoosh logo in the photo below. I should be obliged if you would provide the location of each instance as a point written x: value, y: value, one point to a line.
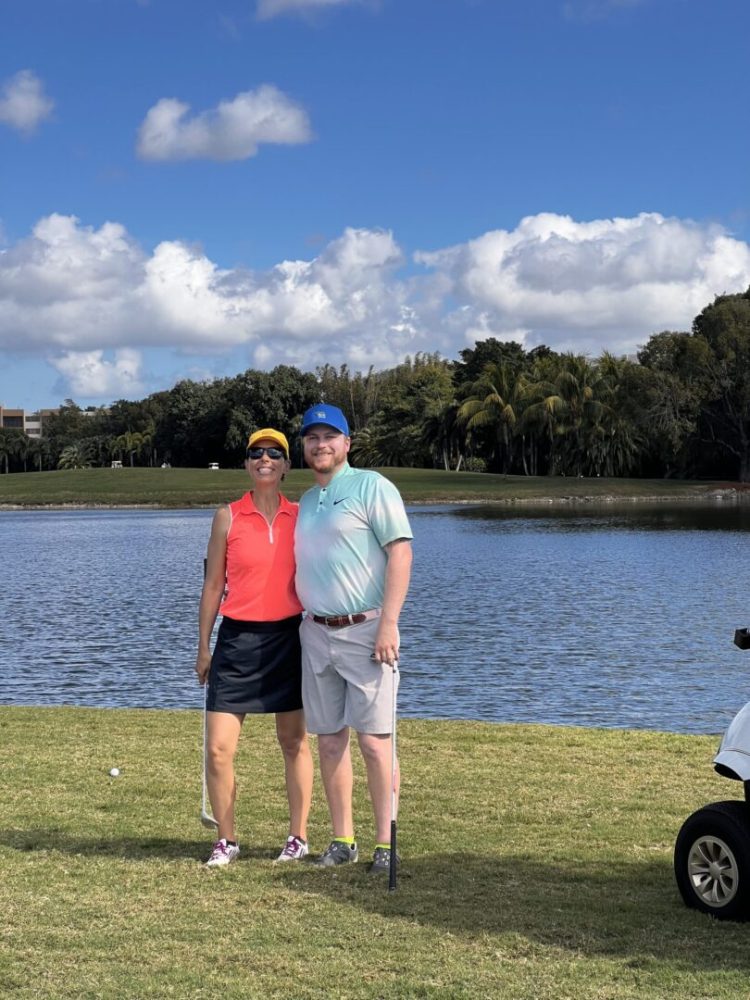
x: 340, y: 501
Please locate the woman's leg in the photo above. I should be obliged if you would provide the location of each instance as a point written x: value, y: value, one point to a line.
x: 298, y: 768
x: 223, y: 735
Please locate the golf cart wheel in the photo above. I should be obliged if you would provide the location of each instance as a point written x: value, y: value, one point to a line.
x: 712, y: 860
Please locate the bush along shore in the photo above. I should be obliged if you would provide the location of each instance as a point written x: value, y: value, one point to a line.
x: 537, y: 863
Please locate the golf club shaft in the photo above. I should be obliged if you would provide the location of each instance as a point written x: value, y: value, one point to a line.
x: 207, y: 818
x: 205, y: 746
x: 392, y: 866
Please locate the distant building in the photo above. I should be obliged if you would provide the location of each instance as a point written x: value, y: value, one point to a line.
x: 19, y: 420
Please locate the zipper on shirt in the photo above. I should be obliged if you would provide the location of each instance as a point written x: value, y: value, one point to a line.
x: 270, y: 526
x: 270, y: 523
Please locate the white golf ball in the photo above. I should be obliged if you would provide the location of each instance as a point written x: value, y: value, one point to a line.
x: 114, y: 772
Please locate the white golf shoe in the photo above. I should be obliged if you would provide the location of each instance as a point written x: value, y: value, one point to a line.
x: 222, y: 854
x: 294, y: 850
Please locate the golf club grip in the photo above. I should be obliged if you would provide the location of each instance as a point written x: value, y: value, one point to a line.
x: 392, y: 865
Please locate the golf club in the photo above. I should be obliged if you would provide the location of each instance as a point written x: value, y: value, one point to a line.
x: 206, y: 817
x: 392, y: 867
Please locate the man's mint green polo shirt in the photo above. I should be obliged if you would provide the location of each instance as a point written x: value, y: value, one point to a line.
x: 339, y: 538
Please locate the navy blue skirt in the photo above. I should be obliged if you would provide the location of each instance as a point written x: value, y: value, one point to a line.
x: 256, y: 667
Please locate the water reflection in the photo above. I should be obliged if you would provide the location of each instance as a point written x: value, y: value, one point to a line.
x: 720, y: 515
x: 609, y: 616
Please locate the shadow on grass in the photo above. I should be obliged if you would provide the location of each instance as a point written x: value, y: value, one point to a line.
x: 131, y: 848
x: 628, y: 910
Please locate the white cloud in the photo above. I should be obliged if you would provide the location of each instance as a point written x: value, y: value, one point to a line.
x: 88, y: 374
x: 69, y: 286
x: 76, y: 294
x: 609, y: 283
x: 231, y: 131
x: 23, y: 103
x: 271, y: 8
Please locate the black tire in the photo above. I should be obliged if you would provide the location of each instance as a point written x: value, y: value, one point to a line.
x: 712, y: 860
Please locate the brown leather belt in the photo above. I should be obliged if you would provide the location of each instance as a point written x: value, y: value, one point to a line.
x: 339, y: 621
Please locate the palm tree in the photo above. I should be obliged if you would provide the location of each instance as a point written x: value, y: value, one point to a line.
x: 39, y: 452
x: 617, y: 446
x: 21, y: 447
x: 74, y: 456
x: 33, y: 450
x: 6, y: 451
x: 365, y: 450
x: 147, y: 443
x: 567, y: 408
x: 13, y: 444
x: 443, y: 433
x: 493, y: 403
x: 44, y: 454
x: 99, y: 448
x: 130, y: 442
x: 385, y: 442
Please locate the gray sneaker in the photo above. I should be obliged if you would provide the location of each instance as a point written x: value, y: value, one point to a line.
x: 337, y: 853
x: 381, y: 861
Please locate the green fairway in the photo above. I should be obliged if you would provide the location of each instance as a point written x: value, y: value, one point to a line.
x: 203, y: 487
x: 537, y: 864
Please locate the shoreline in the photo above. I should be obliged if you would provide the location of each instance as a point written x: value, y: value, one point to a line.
x: 438, y: 720
x: 738, y: 492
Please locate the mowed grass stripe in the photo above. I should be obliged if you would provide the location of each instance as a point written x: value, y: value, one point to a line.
x: 204, y: 488
x: 537, y: 863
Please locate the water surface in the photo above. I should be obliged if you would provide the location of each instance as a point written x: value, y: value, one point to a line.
x: 588, y: 615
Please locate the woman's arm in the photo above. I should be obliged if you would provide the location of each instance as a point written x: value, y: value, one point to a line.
x: 213, y: 589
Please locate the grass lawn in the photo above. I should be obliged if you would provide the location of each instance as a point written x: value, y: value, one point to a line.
x: 537, y: 864
x: 202, y: 487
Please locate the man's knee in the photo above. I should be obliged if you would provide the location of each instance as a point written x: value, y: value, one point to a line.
x: 332, y: 746
x: 374, y: 746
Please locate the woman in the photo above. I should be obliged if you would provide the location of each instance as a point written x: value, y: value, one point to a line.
x: 255, y: 667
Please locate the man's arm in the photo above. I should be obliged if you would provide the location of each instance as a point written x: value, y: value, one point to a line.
x: 397, y: 574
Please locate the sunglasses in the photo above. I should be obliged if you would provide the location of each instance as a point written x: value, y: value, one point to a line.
x: 256, y: 453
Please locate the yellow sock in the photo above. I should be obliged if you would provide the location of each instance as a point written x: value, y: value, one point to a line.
x: 386, y: 847
x: 344, y: 840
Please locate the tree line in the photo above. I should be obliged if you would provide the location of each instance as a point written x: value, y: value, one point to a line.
x: 680, y: 408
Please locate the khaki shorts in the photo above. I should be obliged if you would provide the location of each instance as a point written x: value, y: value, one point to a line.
x: 341, y: 684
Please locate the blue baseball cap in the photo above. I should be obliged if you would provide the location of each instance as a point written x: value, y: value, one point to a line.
x: 324, y: 413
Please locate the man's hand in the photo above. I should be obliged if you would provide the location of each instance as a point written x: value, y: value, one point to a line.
x: 386, y: 643
x: 397, y: 572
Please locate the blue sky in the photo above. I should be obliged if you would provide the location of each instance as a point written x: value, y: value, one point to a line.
x: 188, y: 189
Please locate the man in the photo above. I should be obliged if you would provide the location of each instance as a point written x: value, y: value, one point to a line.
x: 353, y: 552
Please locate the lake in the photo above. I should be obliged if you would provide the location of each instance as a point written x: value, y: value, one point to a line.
x: 617, y: 616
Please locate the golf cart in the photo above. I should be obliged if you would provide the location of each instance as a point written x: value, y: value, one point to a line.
x: 712, y: 851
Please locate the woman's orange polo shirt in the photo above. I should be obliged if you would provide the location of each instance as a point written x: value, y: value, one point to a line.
x: 260, y: 563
